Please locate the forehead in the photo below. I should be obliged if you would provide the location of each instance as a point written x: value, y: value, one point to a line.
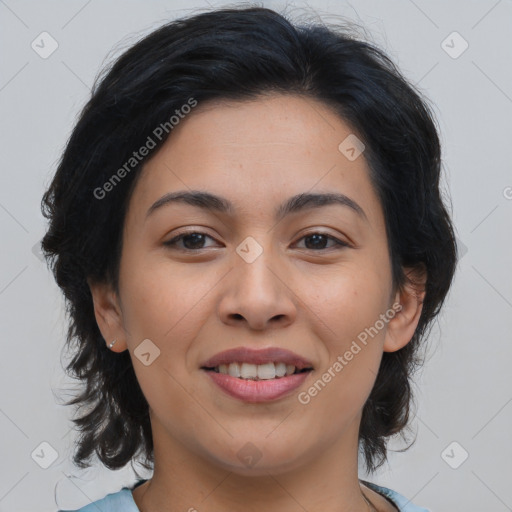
x: 258, y: 152
x: 295, y: 123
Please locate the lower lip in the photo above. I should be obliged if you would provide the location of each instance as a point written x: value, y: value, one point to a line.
x: 257, y: 390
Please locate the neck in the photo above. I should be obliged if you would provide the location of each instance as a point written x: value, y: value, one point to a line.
x: 182, y: 480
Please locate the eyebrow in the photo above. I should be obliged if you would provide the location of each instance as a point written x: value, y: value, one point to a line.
x: 214, y: 203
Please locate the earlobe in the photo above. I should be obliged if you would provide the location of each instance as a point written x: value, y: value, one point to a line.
x: 401, y: 328
x: 108, y: 315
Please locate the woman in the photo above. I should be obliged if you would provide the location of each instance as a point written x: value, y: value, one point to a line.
x: 248, y: 228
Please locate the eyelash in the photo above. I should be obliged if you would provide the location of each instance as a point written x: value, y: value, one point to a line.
x: 172, y: 243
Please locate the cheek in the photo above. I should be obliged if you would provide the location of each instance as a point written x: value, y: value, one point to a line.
x: 161, y: 304
x: 159, y: 296
x: 348, y: 299
x: 354, y: 351
x: 167, y: 304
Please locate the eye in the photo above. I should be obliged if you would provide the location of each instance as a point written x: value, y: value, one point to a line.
x: 192, y: 240
x: 318, y: 240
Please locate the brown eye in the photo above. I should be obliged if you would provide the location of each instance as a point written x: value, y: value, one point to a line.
x: 317, y: 241
x: 192, y: 241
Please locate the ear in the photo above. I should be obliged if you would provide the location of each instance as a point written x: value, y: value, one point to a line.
x: 402, y: 326
x: 108, y: 314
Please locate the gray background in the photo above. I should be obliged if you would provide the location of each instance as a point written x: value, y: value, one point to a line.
x: 464, y: 393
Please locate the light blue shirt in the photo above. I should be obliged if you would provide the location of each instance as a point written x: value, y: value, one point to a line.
x: 122, y: 501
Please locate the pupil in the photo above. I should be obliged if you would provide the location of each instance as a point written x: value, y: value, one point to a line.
x: 197, y: 239
x: 316, y: 237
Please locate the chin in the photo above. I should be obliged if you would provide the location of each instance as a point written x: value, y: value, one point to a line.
x: 249, y: 460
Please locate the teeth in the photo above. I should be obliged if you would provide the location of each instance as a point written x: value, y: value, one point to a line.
x: 248, y: 371
x: 281, y: 369
x: 233, y: 369
x: 265, y: 371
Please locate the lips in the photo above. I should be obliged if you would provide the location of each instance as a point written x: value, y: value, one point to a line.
x: 257, y: 375
x: 257, y: 357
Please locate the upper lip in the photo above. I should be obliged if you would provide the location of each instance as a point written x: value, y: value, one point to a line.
x: 257, y: 356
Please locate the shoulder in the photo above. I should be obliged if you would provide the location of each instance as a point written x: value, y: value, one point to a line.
x: 401, y: 502
x: 121, y: 501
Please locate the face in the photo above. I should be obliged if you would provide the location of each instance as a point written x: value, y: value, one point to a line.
x: 312, y: 281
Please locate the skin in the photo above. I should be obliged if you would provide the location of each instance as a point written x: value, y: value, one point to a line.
x: 313, y: 301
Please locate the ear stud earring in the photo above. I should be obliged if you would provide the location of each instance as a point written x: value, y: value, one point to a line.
x: 112, y: 344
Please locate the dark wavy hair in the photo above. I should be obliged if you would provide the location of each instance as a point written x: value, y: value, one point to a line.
x: 239, y: 53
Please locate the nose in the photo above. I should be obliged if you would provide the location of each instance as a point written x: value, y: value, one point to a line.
x: 258, y: 294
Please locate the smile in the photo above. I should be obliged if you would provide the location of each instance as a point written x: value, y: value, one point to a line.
x: 251, y: 371
x: 257, y: 375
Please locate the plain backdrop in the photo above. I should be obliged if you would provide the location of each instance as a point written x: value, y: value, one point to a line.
x: 459, y: 54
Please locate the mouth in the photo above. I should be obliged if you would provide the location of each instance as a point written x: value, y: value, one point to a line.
x: 248, y: 371
x: 257, y: 375
x: 257, y: 364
